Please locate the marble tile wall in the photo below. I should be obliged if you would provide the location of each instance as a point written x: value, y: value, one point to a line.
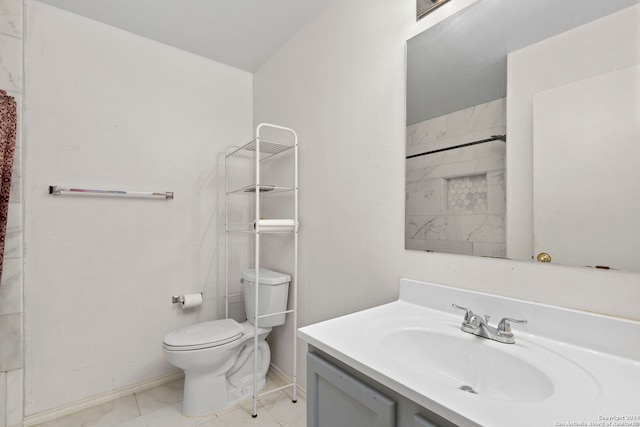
x: 442, y: 218
x: 11, y: 306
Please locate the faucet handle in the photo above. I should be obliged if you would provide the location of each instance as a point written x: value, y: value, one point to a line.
x: 468, y: 313
x: 505, y: 326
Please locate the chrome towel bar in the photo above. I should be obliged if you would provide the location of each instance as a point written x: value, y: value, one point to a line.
x: 56, y: 190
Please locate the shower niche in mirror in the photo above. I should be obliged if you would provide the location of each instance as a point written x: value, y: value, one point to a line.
x: 492, y: 166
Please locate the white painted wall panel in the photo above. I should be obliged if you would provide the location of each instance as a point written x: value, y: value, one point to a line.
x: 107, y: 109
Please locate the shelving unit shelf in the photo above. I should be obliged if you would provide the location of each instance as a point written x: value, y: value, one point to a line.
x: 271, y: 189
x: 265, y: 149
x: 255, y: 152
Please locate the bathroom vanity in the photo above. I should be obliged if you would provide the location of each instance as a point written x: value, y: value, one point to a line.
x: 340, y: 395
x: 408, y: 363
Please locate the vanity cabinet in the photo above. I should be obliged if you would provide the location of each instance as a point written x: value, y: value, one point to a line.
x: 336, y: 398
x: 341, y: 396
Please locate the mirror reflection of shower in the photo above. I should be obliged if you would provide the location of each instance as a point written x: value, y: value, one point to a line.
x: 455, y: 182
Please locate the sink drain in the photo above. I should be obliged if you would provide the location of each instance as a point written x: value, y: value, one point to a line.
x: 468, y: 389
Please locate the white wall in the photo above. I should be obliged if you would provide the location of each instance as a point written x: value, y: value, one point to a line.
x: 108, y: 109
x: 340, y: 83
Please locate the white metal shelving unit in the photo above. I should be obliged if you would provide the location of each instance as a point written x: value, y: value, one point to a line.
x: 256, y: 152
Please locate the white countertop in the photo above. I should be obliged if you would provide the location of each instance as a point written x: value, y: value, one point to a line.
x: 593, y: 361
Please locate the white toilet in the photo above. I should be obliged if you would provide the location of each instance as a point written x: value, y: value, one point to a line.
x: 217, y: 356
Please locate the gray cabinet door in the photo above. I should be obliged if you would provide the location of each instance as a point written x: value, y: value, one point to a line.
x: 337, y: 399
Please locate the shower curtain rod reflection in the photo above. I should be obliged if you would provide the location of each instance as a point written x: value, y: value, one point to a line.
x: 56, y: 190
x: 482, y: 141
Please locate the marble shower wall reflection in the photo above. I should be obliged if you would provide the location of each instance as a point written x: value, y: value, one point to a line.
x: 455, y: 199
x: 11, y: 305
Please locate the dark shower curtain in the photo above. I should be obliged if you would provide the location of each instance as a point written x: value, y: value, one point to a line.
x: 8, y: 126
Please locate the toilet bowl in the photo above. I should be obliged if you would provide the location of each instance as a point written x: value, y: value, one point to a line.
x: 218, y: 356
x: 208, y: 352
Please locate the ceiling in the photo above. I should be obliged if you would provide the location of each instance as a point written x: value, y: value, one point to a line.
x: 239, y: 33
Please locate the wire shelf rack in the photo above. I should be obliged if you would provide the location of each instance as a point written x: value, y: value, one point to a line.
x: 267, y: 149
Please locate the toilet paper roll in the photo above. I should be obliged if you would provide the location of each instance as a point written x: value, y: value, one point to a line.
x: 276, y: 225
x: 191, y: 300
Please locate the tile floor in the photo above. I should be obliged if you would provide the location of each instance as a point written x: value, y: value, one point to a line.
x: 160, y: 407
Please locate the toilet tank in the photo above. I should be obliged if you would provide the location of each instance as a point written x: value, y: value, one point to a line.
x: 273, y: 294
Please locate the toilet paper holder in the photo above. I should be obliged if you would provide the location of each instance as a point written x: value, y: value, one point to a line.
x: 179, y: 299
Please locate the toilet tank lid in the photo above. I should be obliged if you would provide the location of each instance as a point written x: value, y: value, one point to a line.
x: 266, y: 277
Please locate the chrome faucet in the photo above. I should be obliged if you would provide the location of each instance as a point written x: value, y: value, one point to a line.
x: 474, y: 324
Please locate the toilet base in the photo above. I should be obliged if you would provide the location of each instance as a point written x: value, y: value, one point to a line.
x: 206, y: 393
x: 195, y: 404
x: 202, y: 394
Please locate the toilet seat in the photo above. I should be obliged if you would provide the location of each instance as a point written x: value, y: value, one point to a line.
x: 203, y: 335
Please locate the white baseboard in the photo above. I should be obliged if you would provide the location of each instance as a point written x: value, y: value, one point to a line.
x: 70, y: 408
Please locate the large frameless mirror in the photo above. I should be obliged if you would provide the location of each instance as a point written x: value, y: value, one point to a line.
x: 522, y: 130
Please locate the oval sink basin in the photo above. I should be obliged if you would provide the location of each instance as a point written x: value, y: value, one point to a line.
x: 469, y: 363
